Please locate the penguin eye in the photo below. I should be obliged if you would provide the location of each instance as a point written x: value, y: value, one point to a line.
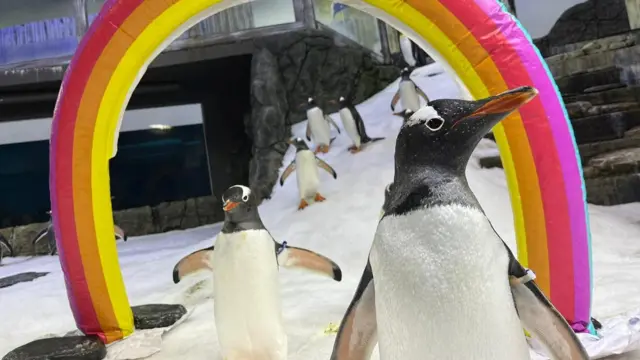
x: 435, y: 124
x: 245, y: 198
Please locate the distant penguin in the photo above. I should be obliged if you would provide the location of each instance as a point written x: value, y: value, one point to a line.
x: 306, y: 166
x: 318, y: 127
x: 354, y: 125
x: 408, y: 93
x: 245, y: 262
x: 439, y: 282
x: 5, y: 248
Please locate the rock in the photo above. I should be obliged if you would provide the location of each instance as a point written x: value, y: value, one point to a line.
x: 588, y: 151
x: 606, y: 87
x: 624, y: 161
x: 626, y: 94
x: 613, y: 190
x: 20, y: 278
x: 633, y: 135
x: 611, y: 108
x: 168, y: 216
x: 23, y: 239
x: 578, y: 82
x: 578, y: 109
x: 62, y: 348
x: 135, y: 221
x: 489, y: 162
x: 604, y: 127
x: 209, y: 210
x: 191, y: 217
x: 155, y: 316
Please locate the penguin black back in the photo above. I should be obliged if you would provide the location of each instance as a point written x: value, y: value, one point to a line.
x: 435, y: 144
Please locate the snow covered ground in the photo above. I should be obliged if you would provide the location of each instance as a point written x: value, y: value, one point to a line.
x: 341, y: 228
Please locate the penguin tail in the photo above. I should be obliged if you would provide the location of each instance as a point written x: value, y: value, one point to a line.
x: 371, y: 140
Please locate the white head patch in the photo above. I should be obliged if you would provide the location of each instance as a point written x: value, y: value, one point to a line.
x: 424, y: 113
x: 245, y: 190
x: 341, y: 98
x: 310, y: 99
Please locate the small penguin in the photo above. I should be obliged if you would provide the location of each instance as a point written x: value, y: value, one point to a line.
x: 354, y: 126
x: 318, y: 127
x: 245, y: 262
x: 49, y: 234
x: 439, y: 282
x: 306, y: 166
x: 5, y: 248
x: 408, y: 93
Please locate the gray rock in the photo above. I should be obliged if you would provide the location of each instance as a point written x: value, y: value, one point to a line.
x: 619, y: 162
x: 578, y: 82
x: 604, y: 127
x: 489, y: 162
x: 578, y: 109
x: 606, y: 87
x: 588, y: 151
x: 613, y: 190
x: 209, y: 210
x: 168, y: 216
x: 20, y: 278
x: 626, y: 94
x: 633, y: 135
x: 155, y: 316
x: 61, y: 348
x: 135, y: 221
x: 611, y: 108
x: 22, y: 240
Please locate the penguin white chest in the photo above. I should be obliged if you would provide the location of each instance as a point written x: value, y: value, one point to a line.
x: 350, y: 126
x: 320, y: 131
x: 247, y: 304
x: 409, y: 96
x: 307, y: 175
x: 442, y: 289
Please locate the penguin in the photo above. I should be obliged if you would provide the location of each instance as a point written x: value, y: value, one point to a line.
x: 306, y: 163
x: 354, y: 126
x: 318, y: 127
x: 408, y: 92
x: 5, y: 248
x: 245, y: 262
x: 49, y: 234
x: 439, y: 282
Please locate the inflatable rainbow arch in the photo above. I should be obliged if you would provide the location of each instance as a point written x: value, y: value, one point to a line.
x: 476, y: 39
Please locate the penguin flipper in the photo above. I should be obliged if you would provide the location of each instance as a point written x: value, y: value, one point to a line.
x: 421, y: 93
x: 294, y: 257
x: 358, y: 332
x: 395, y: 100
x: 119, y: 233
x: 308, y: 132
x: 327, y: 167
x: 4, y: 243
x: 330, y: 120
x: 288, y: 171
x: 41, y: 235
x: 196, y: 261
x: 540, y: 318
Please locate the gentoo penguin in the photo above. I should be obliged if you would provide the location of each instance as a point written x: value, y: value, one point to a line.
x: 318, y: 127
x: 49, y: 234
x: 439, y: 282
x: 354, y: 126
x: 247, y: 303
x: 408, y: 92
x: 5, y: 248
x: 306, y: 166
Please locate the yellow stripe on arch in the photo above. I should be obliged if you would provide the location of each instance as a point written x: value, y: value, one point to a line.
x: 449, y: 51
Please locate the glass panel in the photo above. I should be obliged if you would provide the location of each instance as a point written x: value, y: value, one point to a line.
x: 354, y: 24
x: 241, y: 17
x: 394, y: 39
x: 36, y: 29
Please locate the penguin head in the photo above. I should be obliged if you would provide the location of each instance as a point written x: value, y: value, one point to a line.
x: 405, y: 73
x: 444, y: 133
x: 298, y: 143
x: 237, y: 200
x: 311, y: 103
x: 343, y: 102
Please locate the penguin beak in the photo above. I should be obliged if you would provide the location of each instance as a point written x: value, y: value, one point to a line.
x: 229, y: 205
x: 504, y: 104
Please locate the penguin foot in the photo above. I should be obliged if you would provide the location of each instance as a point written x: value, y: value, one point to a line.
x: 355, y: 150
x: 319, y: 198
x: 322, y: 149
x: 303, y: 204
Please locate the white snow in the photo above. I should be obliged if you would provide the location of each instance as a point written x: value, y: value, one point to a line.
x: 341, y: 228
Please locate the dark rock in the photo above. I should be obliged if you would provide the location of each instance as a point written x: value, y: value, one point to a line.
x: 589, y: 20
x: 169, y: 216
x: 489, y: 162
x: 135, y: 221
x: 606, y: 87
x: 63, y: 348
x: 20, y: 278
x: 611, y: 108
x: 626, y: 95
x: 633, y: 135
x: 577, y: 83
x: 604, y: 127
x: 209, y: 210
x: 588, y: 151
x: 624, y: 161
x: 578, y: 109
x: 155, y: 316
x: 22, y: 240
x: 613, y: 190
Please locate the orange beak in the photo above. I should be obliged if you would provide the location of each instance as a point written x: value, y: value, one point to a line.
x: 229, y: 205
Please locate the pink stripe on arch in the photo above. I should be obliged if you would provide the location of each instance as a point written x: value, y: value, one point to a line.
x: 565, y: 146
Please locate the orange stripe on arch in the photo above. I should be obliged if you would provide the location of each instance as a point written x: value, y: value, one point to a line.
x: 516, y: 135
x: 139, y: 19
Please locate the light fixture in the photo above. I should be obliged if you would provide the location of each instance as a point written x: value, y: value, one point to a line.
x: 160, y: 127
